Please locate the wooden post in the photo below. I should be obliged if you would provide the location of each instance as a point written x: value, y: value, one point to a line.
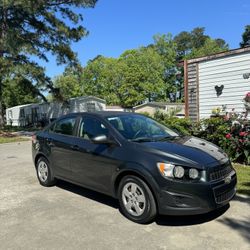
x: 186, y: 88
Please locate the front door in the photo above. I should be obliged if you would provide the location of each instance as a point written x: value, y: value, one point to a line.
x: 93, y: 164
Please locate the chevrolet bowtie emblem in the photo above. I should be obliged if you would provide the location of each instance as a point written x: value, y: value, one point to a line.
x: 228, y: 179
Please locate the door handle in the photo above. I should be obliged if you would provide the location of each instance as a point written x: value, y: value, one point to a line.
x: 75, y: 147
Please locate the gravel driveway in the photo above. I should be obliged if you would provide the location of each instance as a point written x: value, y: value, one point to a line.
x: 70, y: 217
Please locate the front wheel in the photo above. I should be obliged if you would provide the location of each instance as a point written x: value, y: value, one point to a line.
x: 44, y: 174
x: 136, y: 200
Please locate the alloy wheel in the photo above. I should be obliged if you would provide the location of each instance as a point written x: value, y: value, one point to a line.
x: 42, y: 171
x: 133, y: 199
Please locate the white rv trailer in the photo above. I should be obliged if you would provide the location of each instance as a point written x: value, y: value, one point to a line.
x: 30, y: 114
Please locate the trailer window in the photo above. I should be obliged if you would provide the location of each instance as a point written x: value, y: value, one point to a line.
x: 22, y: 115
x: 10, y: 115
x: 90, y: 107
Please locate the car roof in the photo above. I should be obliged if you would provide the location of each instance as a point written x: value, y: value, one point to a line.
x: 102, y: 113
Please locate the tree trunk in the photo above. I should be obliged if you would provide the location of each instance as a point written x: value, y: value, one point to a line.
x: 3, y: 30
x: 1, y: 105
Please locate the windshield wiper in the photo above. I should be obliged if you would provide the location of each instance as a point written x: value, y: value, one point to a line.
x: 168, y: 137
x: 142, y: 139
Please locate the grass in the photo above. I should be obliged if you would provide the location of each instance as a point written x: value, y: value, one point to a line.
x: 16, y: 129
x: 6, y: 137
x: 243, y: 174
x: 12, y: 139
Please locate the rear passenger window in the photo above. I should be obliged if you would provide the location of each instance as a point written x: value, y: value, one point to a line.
x: 65, y: 126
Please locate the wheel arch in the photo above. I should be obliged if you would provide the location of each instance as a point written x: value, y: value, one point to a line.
x: 39, y: 155
x: 145, y: 177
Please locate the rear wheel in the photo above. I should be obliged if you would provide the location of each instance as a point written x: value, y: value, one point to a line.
x: 44, y: 173
x: 136, y: 200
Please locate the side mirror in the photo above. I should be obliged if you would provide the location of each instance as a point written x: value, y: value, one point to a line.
x: 102, y: 139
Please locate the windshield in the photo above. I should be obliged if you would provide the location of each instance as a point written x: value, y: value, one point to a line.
x: 140, y: 128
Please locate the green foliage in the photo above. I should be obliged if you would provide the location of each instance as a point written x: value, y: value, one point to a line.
x: 102, y: 78
x: 237, y: 144
x: 212, y: 129
x: 129, y: 80
x: 166, y: 47
x: 210, y: 47
x: 18, y: 91
x: 196, y: 44
x: 243, y: 182
x: 184, y: 126
x: 245, y: 37
x: 34, y: 28
x: 68, y: 84
x: 149, y: 73
x: 141, y: 77
x: 229, y: 134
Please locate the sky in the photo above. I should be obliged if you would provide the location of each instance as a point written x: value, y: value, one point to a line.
x: 117, y: 25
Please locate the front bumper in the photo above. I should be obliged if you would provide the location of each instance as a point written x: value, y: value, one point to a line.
x: 196, y: 198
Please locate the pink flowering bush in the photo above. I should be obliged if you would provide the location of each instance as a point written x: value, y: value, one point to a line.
x: 237, y: 145
x: 247, y: 97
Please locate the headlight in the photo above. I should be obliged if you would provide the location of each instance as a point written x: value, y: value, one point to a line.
x: 193, y: 173
x: 166, y: 169
x: 179, y: 172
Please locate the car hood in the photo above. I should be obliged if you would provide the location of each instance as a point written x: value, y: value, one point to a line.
x: 189, y: 150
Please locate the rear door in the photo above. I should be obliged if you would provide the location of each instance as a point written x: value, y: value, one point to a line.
x: 59, y: 142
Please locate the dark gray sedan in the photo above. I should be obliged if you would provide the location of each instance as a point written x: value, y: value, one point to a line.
x: 147, y: 166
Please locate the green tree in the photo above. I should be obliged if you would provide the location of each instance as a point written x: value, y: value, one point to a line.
x: 245, y: 37
x: 33, y: 28
x: 188, y: 43
x: 18, y: 91
x: 141, y: 77
x: 68, y: 86
x: 101, y: 78
x: 68, y: 83
x: 198, y: 38
x: 166, y: 47
x: 210, y: 47
x: 136, y: 76
x: 184, y: 43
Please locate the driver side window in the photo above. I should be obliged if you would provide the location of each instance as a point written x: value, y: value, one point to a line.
x: 91, y: 127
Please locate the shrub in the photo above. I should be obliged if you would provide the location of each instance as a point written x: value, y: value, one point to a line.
x: 182, y: 125
x: 212, y: 129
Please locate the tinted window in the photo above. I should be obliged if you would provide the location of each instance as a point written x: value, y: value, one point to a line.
x: 91, y: 127
x: 64, y: 126
x: 138, y: 126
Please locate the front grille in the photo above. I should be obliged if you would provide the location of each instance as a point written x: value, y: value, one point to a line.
x: 225, y: 192
x: 220, y: 172
x: 226, y: 196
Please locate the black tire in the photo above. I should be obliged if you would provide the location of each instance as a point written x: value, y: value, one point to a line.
x: 147, y: 209
x: 48, y: 179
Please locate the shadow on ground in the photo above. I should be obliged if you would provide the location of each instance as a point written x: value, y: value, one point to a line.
x: 241, y: 198
x: 87, y: 193
x: 189, y: 220
x: 241, y: 226
x: 160, y: 220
